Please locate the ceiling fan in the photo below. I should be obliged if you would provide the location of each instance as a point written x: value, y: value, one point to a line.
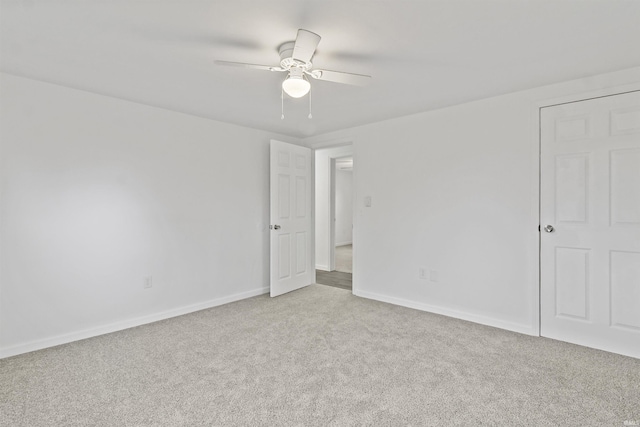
x: 295, y: 58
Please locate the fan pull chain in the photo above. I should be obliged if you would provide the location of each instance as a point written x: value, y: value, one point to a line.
x: 282, y: 104
x: 310, y: 116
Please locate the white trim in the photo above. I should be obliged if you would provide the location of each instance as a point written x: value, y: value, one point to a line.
x: 322, y: 267
x: 331, y: 143
x: 475, y: 318
x: 125, y: 324
x: 354, y: 200
x: 581, y: 96
x: 314, y: 278
x: 332, y: 213
x: 344, y: 243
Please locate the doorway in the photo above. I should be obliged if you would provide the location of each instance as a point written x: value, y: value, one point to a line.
x: 334, y: 216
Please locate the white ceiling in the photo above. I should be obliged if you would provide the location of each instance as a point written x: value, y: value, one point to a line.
x: 422, y: 55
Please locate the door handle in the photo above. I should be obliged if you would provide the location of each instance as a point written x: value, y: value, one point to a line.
x: 276, y: 227
x: 549, y: 228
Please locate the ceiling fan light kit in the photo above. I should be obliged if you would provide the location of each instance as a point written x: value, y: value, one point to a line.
x: 295, y: 85
x: 295, y: 59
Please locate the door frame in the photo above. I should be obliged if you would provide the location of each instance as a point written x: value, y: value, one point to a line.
x: 536, y: 147
x: 333, y: 211
x: 337, y: 144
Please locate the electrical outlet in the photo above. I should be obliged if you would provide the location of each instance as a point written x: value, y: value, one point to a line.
x: 148, y: 282
x: 422, y: 273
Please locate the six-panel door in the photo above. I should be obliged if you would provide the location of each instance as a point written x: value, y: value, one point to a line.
x: 290, y: 176
x: 590, y: 194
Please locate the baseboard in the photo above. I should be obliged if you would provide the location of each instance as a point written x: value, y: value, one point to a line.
x: 322, y: 267
x: 125, y: 324
x: 344, y: 243
x: 483, y: 320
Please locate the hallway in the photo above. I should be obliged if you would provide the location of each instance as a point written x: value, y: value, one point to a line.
x: 341, y: 277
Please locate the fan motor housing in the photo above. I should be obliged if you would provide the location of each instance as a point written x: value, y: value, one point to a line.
x: 286, y: 61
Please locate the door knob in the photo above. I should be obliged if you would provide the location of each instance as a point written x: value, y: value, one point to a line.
x: 549, y: 228
x: 276, y: 227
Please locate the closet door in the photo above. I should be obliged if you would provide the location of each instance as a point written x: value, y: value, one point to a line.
x: 590, y: 223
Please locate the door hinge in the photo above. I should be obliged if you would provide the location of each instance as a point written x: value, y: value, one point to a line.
x: 538, y: 228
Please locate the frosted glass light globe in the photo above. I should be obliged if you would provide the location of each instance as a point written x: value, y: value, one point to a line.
x: 296, y: 87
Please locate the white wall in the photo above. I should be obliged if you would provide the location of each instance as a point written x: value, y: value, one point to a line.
x: 98, y: 193
x: 456, y: 191
x: 323, y: 203
x: 344, y: 207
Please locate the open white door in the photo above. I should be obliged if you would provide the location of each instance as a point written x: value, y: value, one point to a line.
x: 590, y: 217
x: 291, y: 262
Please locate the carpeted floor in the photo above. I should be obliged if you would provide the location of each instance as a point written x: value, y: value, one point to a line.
x: 318, y: 357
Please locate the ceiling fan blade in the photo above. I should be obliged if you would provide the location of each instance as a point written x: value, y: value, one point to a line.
x: 340, y: 77
x: 305, y: 46
x: 254, y: 66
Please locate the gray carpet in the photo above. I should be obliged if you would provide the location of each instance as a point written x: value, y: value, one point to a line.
x: 319, y: 357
